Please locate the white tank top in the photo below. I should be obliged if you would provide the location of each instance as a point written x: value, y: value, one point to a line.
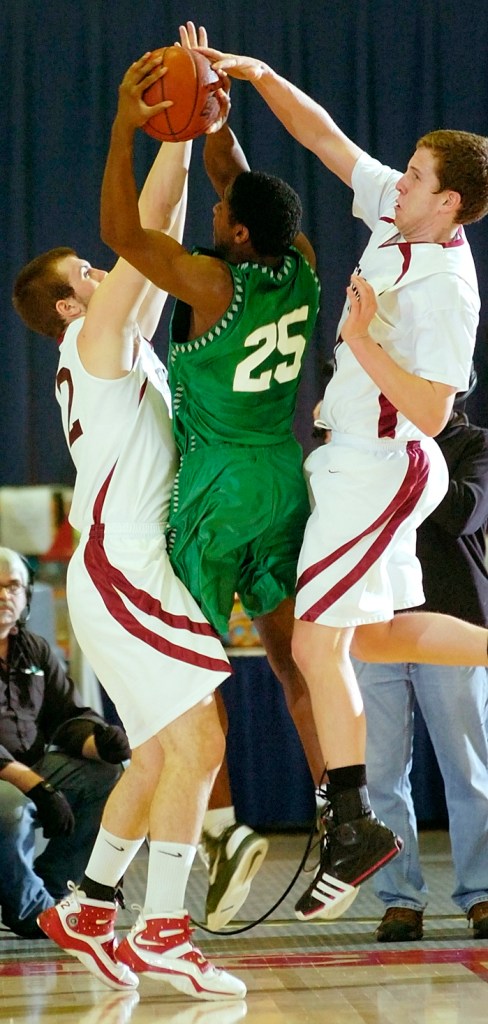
x: 120, y: 437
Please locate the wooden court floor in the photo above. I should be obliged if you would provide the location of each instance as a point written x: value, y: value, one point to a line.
x: 296, y: 973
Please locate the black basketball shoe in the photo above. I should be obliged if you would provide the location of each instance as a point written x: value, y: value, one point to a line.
x: 350, y: 854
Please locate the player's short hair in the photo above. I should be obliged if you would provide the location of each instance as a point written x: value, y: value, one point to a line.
x: 38, y: 287
x: 462, y: 165
x: 270, y: 209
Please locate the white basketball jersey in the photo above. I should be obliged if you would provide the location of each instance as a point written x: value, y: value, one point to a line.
x: 119, y: 435
x: 427, y: 316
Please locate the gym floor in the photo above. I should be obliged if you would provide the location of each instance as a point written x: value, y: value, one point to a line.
x: 296, y: 973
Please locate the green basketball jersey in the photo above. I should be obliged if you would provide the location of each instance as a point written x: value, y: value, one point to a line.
x: 238, y: 382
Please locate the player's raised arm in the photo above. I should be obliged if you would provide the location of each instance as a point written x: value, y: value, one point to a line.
x: 305, y: 119
x: 162, y: 205
x: 202, y: 282
x: 224, y: 158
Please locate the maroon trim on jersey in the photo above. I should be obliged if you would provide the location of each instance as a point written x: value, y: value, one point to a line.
x: 142, y: 392
x: 75, y: 430
x: 388, y: 420
x: 111, y: 583
x: 459, y: 239
x: 405, y: 249
x: 388, y: 220
x: 393, y: 516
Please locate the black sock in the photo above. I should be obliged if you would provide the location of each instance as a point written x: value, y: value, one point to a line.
x: 97, y: 891
x: 348, y: 793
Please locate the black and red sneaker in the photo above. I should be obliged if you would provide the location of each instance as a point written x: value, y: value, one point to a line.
x: 351, y: 853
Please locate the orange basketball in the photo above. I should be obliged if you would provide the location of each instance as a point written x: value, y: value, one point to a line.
x: 191, y: 83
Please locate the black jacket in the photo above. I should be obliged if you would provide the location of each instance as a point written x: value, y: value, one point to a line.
x: 451, y: 542
x: 37, y: 700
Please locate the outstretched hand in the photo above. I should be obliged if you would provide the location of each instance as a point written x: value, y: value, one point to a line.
x: 193, y: 39
x: 249, y: 68
x: 132, y: 110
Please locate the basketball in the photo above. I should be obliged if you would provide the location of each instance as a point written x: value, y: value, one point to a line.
x: 191, y: 83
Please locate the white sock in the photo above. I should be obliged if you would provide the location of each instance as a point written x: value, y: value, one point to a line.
x: 167, y: 876
x: 111, y: 857
x: 217, y: 820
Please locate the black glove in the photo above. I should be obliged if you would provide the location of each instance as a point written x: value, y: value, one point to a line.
x: 112, y: 743
x: 53, y: 810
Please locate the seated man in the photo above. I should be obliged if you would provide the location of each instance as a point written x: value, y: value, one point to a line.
x: 47, y: 740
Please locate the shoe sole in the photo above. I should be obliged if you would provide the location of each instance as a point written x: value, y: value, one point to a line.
x: 54, y: 929
x: 334, y: 910
x: 236, y: 894
x: 399, y: 937
x: 172, y: 975
x: 341, y: 900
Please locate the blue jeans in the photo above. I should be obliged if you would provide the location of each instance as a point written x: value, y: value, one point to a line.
x: 29, y: 884
x: 454, y: 703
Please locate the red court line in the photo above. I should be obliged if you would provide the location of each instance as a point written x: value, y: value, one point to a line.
x: 474, y: 959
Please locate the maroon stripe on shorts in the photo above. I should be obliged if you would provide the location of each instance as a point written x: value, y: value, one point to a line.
x: 111, y: 583
x: 391, y: 518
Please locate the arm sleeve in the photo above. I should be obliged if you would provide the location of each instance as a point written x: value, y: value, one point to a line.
x: 374, y: 190
x: 70, y: 736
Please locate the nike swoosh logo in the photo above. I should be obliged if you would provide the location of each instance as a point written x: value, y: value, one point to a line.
x: 143, y: 943
x: 114, y: 847
x: 166, y: 854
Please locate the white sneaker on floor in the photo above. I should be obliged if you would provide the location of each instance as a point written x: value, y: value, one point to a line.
x: 85, y: 928
x: 161, y: 948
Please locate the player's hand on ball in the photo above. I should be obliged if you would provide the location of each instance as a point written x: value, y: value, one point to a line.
x: 223, y: 98
x: 363, y: 305
x: 190, y: 38
x: 132, y: 109
x: 249, y: 68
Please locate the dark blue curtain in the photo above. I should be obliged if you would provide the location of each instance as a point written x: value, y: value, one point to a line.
x: 387, y: 71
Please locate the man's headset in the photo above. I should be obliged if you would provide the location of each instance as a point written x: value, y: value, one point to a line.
x: 29, y: 590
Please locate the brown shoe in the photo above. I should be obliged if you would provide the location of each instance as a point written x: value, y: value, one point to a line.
x: 402, y: 924
x: 478, y: 917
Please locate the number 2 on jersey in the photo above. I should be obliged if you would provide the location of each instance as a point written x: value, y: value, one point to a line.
x: 270, y: 337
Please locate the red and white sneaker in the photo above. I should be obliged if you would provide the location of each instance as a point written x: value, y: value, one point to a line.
x: 161, y: 948
x: 85, y: 928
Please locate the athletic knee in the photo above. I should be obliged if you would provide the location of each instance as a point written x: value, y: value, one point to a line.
x: 196, y: 740
x: 314, y: 652
x: 300, y: 653
x: 207, y: 751
x: 143, y: 770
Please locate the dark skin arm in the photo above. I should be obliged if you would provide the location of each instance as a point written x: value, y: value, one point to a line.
x: 223, y: 158
x: 203, y: 282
